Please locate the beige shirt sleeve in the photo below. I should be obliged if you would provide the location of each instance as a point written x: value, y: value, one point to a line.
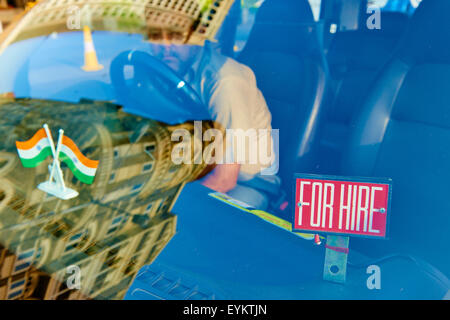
x: 236, y: 103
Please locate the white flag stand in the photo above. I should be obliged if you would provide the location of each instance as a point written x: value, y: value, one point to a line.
x: 55, y: 184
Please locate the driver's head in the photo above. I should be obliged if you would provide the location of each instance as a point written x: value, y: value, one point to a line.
x: 169, y: 46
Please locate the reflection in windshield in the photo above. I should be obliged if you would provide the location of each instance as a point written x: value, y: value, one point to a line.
x: 197, y: 20
x: 114, y: 227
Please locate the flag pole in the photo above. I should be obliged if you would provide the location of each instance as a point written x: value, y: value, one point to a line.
x: 50, y: 139
x: 52, y: 147
x: 57, y: 188
x: 58, y: 149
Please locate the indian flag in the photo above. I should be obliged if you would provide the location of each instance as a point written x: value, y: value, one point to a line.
x: 35, y: 150
x: 83, y: 168
x: 38, y: 148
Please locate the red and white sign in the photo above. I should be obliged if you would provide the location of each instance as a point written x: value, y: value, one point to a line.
x: 341, y: 206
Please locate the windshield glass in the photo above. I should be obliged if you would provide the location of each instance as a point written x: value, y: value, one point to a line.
x: 204, y: 141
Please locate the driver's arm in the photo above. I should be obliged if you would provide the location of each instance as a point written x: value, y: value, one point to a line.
x: 236, y: 103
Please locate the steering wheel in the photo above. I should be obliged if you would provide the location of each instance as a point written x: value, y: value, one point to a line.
x: 150, y: 89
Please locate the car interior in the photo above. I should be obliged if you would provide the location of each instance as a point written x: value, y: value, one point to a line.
x: 364, y: 102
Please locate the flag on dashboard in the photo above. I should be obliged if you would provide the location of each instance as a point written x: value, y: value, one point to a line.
x: 83, y: 169
x: 35, y: 150
x: 39, y: 147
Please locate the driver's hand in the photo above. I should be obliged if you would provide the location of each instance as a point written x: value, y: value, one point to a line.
x: 223, y: 178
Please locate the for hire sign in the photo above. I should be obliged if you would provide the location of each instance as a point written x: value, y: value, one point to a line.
x: 342, y: 205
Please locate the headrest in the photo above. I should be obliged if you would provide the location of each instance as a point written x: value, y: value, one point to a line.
x: 286, y: 11
x: 428, y: 36
x: 284, y: 26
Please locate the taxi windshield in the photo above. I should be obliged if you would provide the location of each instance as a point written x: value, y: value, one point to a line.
x: 210, y: 149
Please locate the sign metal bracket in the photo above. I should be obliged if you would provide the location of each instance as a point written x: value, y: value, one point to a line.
x: 336, y: 254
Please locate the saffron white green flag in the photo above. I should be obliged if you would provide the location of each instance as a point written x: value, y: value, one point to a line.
x: 37, y: 149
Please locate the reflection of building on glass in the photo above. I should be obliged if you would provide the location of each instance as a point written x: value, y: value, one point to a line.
x: 115, y: 226
x: 198, y: 19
